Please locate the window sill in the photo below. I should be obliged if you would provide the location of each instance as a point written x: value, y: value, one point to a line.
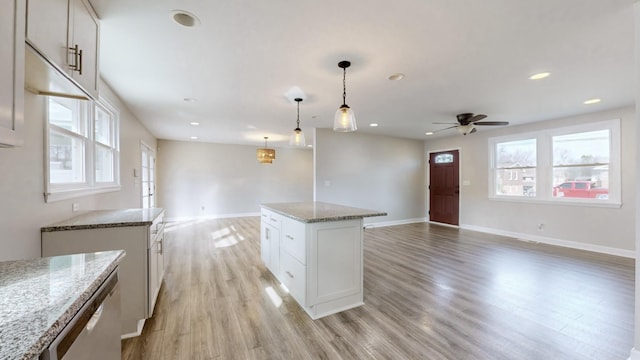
x: 76, y: 193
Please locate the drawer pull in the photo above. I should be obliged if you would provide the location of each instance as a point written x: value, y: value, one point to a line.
x: 288, y: 273
x: 274, y: 219
x: 289, y: 237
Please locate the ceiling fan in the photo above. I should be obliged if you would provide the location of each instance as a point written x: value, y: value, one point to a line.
x: 467, y: 123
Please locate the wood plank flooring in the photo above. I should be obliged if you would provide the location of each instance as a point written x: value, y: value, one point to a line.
x: 431, y: 292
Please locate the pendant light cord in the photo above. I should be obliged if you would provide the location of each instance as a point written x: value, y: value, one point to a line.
x: 344, y: 86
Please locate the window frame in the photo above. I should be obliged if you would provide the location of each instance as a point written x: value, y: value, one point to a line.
x: 544, y: 165
x: 88, y: 109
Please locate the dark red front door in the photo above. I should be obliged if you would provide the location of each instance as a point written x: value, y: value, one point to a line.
x: 444, y: 187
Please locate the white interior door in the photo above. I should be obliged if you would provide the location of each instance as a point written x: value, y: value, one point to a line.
x: 148, y: 183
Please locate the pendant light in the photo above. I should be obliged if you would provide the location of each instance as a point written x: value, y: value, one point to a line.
x: 297, y: 136
x: 266, y: 155
x: 345, y: 120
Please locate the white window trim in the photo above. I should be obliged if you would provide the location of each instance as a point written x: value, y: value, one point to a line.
x: 57, y: 192
x: 544, y: 166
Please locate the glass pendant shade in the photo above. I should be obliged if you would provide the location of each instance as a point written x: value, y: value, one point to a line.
x: 297, y: 138
x: 345, y: 120
x: 266, y: 155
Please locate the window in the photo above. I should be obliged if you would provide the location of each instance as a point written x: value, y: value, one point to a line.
x: 579, y: 164
x: 512, y: 158
x: 83, y: 149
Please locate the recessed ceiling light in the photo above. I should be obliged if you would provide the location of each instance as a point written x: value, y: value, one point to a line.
x: 396, y: 76
x: 539, y: 76
x: 194, y: 123
x: 373, y: 125
x: 429, y: 133
x: 194, y: 138
x: 592, y: 101
x: 185, y: 18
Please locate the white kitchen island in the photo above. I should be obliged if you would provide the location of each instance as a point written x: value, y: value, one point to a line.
x: 315, y: 250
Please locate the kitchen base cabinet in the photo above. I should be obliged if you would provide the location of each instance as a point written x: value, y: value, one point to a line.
x: 317, y: 257
x: 141, y: 271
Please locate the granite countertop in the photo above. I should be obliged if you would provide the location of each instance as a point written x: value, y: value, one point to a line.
x: 315, y: 211
x: 98, y: 219
x: 39, y: 297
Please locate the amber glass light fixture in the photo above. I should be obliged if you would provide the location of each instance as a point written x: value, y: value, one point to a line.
x: 297, y: 136
x: 345, y: 119
x: 266, y: 155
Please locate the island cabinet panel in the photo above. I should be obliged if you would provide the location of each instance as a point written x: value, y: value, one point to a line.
x: 319, y: 262
x: 335, y: 264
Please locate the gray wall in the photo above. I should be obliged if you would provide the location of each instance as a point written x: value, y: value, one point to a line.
x: 217, y: 180
x: 23, y: 210
x: 593, y: 228
x: 371, y: 171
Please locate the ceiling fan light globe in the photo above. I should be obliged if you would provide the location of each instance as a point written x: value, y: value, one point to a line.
x: 344, y: 120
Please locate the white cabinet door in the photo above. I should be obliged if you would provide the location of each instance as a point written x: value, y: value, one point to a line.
x: 84, y: 34
x: 274, y: 251
x: 265, y: 244
x: 12, y: 22
x: 47, y: 29
x: 153, y: 277
x: 66, y: 32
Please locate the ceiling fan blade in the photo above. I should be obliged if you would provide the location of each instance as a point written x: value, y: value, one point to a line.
x: 439, y: 123
x: 447, y: 128
x: 476, y: 118
x: 492, y: 123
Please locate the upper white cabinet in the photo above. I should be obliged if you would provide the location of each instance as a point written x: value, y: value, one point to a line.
x: 12, y: 16
x: 66, y: 33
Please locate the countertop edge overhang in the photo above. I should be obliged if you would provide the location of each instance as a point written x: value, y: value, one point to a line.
x: 317, y: 211
x: 100, y: 219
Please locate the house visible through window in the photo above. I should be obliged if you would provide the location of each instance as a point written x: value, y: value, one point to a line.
x: 579, y: 164
x: 83, y: 149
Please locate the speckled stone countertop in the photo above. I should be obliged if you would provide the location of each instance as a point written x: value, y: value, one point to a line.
x: 315, y: 211
x: 39, y: 297
x: 106, y: 218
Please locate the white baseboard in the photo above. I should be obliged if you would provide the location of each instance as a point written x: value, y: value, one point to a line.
x: 553, y: 241
x: 209, y: 217
x: 394, y: 222
x: 136, y: 333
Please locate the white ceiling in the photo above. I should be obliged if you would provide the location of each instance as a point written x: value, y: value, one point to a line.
x: 244, y: 58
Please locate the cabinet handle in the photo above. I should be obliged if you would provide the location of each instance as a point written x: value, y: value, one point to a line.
x: 74, y: 50
x: 289, y: 237
x: 274, y: 220
x: 288, y: 273
x: 160, y: 247
x: 80, y: 61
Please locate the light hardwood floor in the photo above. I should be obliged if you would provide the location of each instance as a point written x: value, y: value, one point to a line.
x: 431, y: 292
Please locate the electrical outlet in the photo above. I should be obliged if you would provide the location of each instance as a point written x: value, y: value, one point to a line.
x: 75, y: 207
x: 541, y: 227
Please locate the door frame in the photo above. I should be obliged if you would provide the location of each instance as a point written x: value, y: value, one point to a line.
x: 428, y: 181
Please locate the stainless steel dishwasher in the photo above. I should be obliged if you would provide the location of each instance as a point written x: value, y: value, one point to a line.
x: 94, y: 332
